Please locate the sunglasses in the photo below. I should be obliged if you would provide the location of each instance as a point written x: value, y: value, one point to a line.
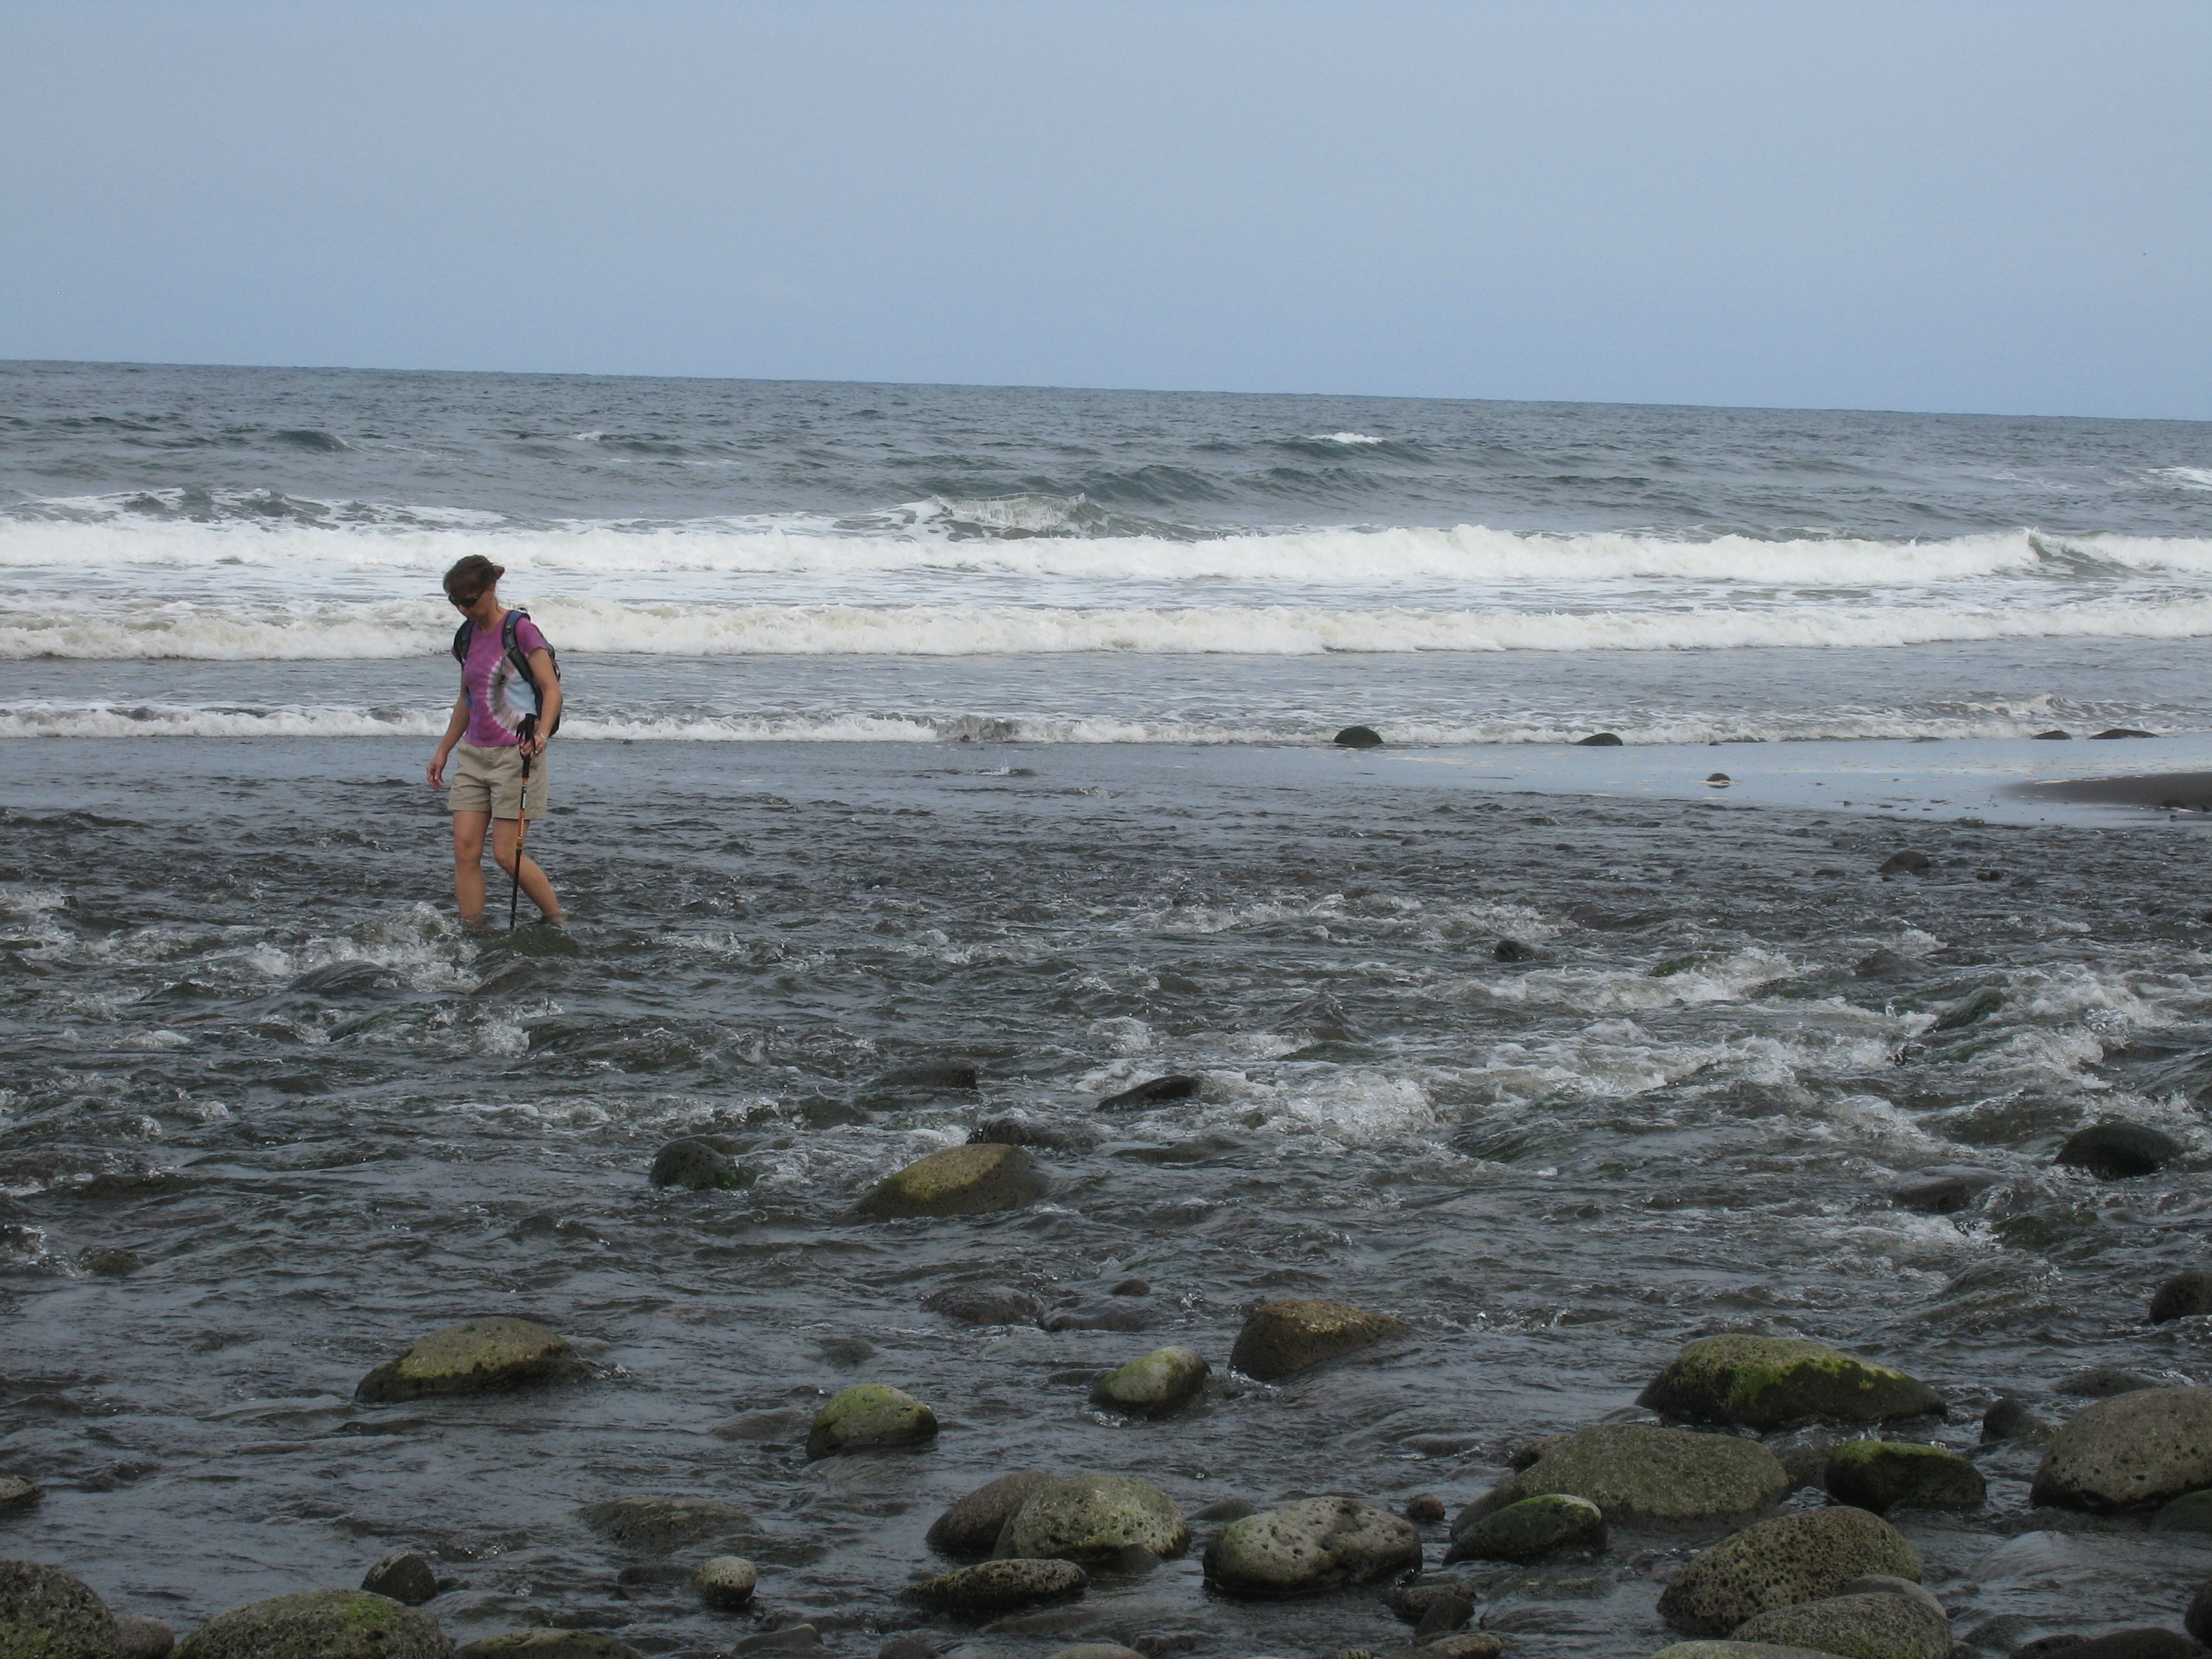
x: 463, y: 601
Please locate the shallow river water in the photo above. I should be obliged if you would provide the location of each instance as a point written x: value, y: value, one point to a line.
x: 246, y: 1044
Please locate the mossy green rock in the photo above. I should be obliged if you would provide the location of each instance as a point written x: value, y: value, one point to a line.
x: 46, y: 1614
x: 1881, y: 1476
x: 992, y: 1587
x: 1160, y: 1385
x: 655, y: 1526
x: 549, y: 1644
x: 2130, y: 1452
x: 1533, y: 1527
x: 1790, y: 1558
x: 325, y: 1624
x: 971, y: 1525
x: 1317, y: 1544
x: 1281, y: 1339
x: 971, y: 1180
x: 870, y: 1416
x: 1092, y: 1517
x: 1768, y: 1383
x: 481, y: 1356
x: 1874, y: 1627
x: 1640, y: 1475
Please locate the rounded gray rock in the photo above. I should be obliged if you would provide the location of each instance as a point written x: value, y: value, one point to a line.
x: 1531, y: 1529
x: 17, y: 1493
x: 655, y: 1526
x: 698, y: 1166
x: 726, y: 1581
x: 972, y: 1524
x: 1807, y: 1557
x: 1160, y: 1385
x: 326, y: 1623
x: 1094, y: 1517
x: 1317, y: 1544
x: 44, y: 1613
x: 2185, y: 1295
x: 995, y: 1587
x: 1875, y: 1626
x: 548, y: 1644
x: 1642, y: 1475
x: 405, y: 1577
x: 1280, y: 1339
x: 480, y: 1356
x: 2130, y: 1452
x: 140, y: 1638
x: 1881, y: 1476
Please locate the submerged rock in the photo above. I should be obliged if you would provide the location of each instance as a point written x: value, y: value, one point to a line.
x: 869, y: 1415
x: 1153, y: 1091
x: 1638, y: 1474
x: 1943, y: 1190
x: 1768, y: 1383
x: 1867, y: 1625
x: 699, y: 1166
x: 1906, y: 862
x: 1512, y: 950
x: 1530, y: 1529
x: 2116, y: 1152
x: 2130, y: 1452
x: 931, y: 1074
x: 2104, y: 1383
x: 1094, y: 1517
x: 481, y: 1356
x: 2190, y: 1512
x: 727, y: 1582
x: 1807, y: 1557
x: 985, y: 1304
x: 1160, y: 1385
x: 1472, y: 1645
x: 140, y: 1638
x: 1971, y: 1009
x: 1015, y: 1130
x: 992, y: 1587
x: 655, y: 1526
x: 328, y: 1624
x: 1281, y: 1339
x: 1098, y: 1316
x: 1599, y: 740
x: 17, y: 1493
x: 970, y: 1179
x: 548, y: 1644
x: 405, y: 1577
x: 1880, y: 1475
x: 972, y: 1525
x: 2185, y: 1295
x: 1318, y: 1544
x: 2012, y: 1419
x: 2148, y: 1642
x: 1358, y: 737
x: 44, y: 1613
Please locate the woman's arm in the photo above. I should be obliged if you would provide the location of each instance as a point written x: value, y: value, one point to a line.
x: 454, y: 728
x: 548, y: 698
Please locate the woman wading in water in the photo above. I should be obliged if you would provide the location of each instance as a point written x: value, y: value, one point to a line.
x: 510, y: 704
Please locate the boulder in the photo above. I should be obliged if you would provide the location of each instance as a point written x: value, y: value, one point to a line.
x: 727, y: 1582
x: 972, y: 1525
x: 1880, y: 1475
x: 1641, y: 1475
x: 325, y: 1623
x: 1093, y: 1517
x: 655, y: 1526
x: 17, y: 1493
x: 1807, y: 1557
x: 481, y: 1356
x: 1768, y: 1383
x: 1160, y: 1385
x: 995, y: 1587
x: 869, y: 1415
x: 1872, y: 1625
x: 928, y: 1074
x: 2102, y: 1383
x: 972, y: 1179
x: 2190, y: 1512
x: 1317, y: 1544
x: 2185, y: 1295
x: 1153, y: 1091
x: 1599, y: 740
x: 1944, y: 1190
x: 1533, y: 1527
x: 985, y: 1304
x: 698, y: 1165
x: 405, y: 1577
x: 1281, y: 1339
x: 140, y: 1638
x: 1358, y: 737
x: 2012, y: 1419
x: 549, y: 1644
x: 2116, y: 1152
x: 44, y: 1613
x: 2130, y: 1452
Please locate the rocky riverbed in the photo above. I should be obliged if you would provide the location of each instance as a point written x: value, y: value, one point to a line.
x: 987, y: 1209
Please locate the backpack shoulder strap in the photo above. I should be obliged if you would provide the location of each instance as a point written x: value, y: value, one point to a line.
x: 461, y: 642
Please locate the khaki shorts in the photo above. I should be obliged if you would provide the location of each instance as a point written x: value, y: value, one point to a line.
x: 491, y: 780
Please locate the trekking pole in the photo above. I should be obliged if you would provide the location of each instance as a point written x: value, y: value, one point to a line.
x: 521, y: 823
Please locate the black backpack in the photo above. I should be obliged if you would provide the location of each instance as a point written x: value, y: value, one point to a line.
x: 517, y: 658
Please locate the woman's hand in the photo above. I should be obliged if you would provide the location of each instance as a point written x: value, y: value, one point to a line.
x: 437, y: 773
x: 534, y: 744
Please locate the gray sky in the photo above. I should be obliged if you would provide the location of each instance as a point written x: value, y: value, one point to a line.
x: 1946, y: 206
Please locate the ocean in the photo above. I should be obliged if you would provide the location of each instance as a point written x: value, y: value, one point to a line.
x: 915, y: 724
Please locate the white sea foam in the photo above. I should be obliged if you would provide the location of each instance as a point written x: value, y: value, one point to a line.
x: 1342, y: 438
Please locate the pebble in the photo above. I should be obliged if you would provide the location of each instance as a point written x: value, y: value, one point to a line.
x: 405, y: 1577
x: 726, y: 1580
x: 1281, y: 1339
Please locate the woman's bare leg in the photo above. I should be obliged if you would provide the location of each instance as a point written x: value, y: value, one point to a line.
x: 468, y: 865
x: 506, y: 837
